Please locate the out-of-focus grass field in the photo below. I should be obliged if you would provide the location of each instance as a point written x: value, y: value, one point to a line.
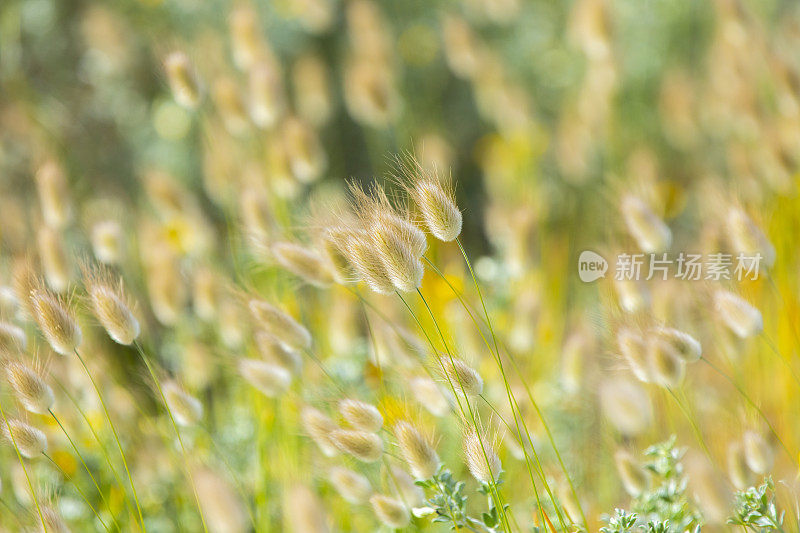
x: 208, y: 214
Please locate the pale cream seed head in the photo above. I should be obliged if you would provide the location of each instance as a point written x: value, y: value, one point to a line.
x: 54, y: 259
x: 439, y: 209
x: 111, y: 309
x: 285, y: 329
x: 417, y: 450
x: 272, y: 380
x: 351, y: 485
x: 367, y: 264
x: 403, y: 268
x: 303, y: 263
x: 684, y: 345
x: 626, y: 406
x: 633, y: 475
x: 666, y: 367
x: 51, y: 184
x: 462, y: 377
x: 276, y: 353
x: 650, y: 232
x: 53, y: 520
x: 56, y: 321
x: 481, y: 458
x: 222, y: 507
x: 108, y: 242
x: 634, y: 350
x: 747, y: 238
x: 182, y: 80
x: 390, y: 511
x: 320, y: 428
x: 12, y: 338
x: 361, y: 415
x: 185, y: 408
x: 737, y: 314
x: 30, y: 441
x: 428, y: 393
x: 363, y: 445
x: 758, y: 452
x: 30, y: 389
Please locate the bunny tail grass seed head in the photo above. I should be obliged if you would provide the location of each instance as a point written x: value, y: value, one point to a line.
x: 12, y: 338
x: 481, y: 457
x: 739, y: 472
x: 53, y: 521
x: 30, y: 441
x: 650, y: 232
x: 361, y: 415
x: 320, y: 428
x: 626, y: 406
x: 633, y: 348
x: 367, y: 264
x: 183, y: 80
x: 303, y: 263
x: 737, y: 314
x: 758, y: 452
x: 108, y: 242
x: 56, y: 320
x: 429, y: 395
x: 51, y: 184
x: 747, y: 238
x: 461, y: 376
x: 186, y: 409
x: 53, y: 258
x: 684, y: 345
x: 352, y: 486
x: 395, y: 245
x: 304, y: 511
x: 29, y: 387
x: 272, y: 380
x: 223, y: 509
x: 666, y: 367
x: 110, y: 306
x: 633, y: 475
x: 390, y: 511
x: 363, y: 445
x: 276, y: 353
x: 434, y: 198
x: 417, y: 450
x: 285, y: 329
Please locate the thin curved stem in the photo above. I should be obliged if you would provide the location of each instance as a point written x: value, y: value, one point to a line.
x: 116, y: 439
x: 85, y: 466
x: 24, y: 469
x: 83, y: 495
x: 177, y: 431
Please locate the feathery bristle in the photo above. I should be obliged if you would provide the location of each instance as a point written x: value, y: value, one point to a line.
x: 361, y: 415
x: 302, y: 262
x: 740, y: 317
x: 390, y: 511
x: 56, y: 321
x: 29, y: 387
x: 363, y: 445
x: 481, y: 457
x: 110, y: 307
x: 185, y: 408
x: 462, y: 377
x: 285, y: 329
x: 320, y: 428
x: 352, y: 486
x: 272, y: 380
x: 30, y: 441
x: 417, y: 450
